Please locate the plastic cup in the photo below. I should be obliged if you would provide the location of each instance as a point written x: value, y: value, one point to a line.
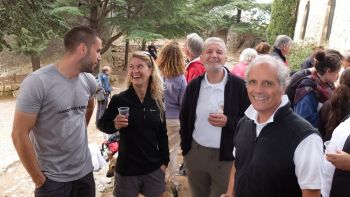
x: 330, y: 148
x: 123, y: 111
x: 213, y: 109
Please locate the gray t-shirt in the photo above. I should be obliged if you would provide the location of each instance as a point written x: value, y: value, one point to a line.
x: 59, y: 136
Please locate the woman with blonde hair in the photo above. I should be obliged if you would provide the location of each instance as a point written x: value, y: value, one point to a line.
x: 143, y: 148
x: 172, y: 66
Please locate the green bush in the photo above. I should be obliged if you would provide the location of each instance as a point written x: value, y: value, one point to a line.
x: 298, y: 54
x: 283, y: 19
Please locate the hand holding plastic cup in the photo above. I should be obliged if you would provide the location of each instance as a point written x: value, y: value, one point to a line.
x: 213, y: 109
x: 124, y: 111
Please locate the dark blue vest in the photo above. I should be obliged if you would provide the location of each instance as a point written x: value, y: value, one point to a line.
x: 265, y: 164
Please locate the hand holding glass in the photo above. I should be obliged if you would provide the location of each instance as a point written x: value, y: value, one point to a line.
x: 124, y: 111
x: 216, y: 109
x: 121, y: 120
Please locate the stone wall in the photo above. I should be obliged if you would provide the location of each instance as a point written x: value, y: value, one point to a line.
x: 339, y: 38
x: 132, y: 48
x: 316, y: 24
x: 237, y: 42
x: 9, y: 85
x: 315, y: 21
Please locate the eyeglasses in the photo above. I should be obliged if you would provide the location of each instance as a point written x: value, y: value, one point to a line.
x: 149, y: 55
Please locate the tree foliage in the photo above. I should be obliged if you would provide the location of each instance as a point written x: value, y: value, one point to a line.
x: 32, y: 23
x: 298, y: 54
x: 242, y: 15
x: 283, y: 18
x: 138, y: 20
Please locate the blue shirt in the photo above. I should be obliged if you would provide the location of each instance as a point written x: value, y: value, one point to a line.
x: 307, y: 108
x: 105, y: 82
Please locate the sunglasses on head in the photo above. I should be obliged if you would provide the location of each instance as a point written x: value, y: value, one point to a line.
x: 149, y: 55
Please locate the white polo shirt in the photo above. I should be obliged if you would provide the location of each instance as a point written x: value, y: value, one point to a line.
x: 211, y: 96
x: 308, y: 156
x: 339, y: 136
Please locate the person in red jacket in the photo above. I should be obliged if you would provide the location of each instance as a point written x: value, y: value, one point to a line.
x: 193, y: 49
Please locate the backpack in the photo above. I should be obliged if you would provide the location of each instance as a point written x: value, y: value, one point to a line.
x: 295, y: 82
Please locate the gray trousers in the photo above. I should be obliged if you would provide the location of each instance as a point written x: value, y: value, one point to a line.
x: 207, y: 176
x: 101, y: 107
x: 84, y: 187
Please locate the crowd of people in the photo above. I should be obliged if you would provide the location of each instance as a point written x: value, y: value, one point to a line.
x: 255, y: 130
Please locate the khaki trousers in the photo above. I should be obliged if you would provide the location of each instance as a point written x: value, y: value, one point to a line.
x: 207, y: 176
x: 173, y: 127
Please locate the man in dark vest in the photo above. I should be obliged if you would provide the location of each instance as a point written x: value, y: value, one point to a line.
x: 277, y: 153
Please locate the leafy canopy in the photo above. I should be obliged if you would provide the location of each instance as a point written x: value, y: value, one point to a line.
x: 33, y: 23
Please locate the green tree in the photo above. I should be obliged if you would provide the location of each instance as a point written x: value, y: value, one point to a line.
x: 32, y: 23
x: 143, y: 21
x: 137, y: 20
x: 255, y: 16
x: 283, y: 18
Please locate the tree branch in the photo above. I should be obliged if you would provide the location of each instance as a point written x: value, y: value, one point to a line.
x: 110, y: 41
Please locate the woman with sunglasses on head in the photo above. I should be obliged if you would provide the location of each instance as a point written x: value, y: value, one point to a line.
x: 143, y: 149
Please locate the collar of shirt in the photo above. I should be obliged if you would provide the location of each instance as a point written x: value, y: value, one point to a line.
x: 195, y: 59
x: 220, y: 85
x: 252, y: 114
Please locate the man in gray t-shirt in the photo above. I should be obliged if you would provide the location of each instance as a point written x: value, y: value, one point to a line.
x: 53, y: 110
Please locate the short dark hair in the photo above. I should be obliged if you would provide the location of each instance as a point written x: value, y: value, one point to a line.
x: 77, y: 35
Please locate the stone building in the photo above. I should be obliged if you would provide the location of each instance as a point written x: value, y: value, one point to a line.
x: 324, y: 22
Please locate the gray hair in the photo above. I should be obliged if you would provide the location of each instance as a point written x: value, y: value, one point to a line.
x: 216, y: 40
x: 282, y: 69
x: 282, y: 40
x: 248, y: 54
x: 195, y: 44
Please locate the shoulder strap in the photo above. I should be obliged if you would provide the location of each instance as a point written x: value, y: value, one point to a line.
x: 306, y: 82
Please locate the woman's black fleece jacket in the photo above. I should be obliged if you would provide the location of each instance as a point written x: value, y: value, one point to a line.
x: 143, y: 145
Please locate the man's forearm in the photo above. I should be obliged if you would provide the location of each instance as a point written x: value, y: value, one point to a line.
x: 26, y: 154
x: 230, y: 187
x: 311, y: 193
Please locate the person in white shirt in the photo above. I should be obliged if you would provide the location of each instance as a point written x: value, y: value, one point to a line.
x: 212, y: 105
x: 277, y: 153
x: 336, y: 171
